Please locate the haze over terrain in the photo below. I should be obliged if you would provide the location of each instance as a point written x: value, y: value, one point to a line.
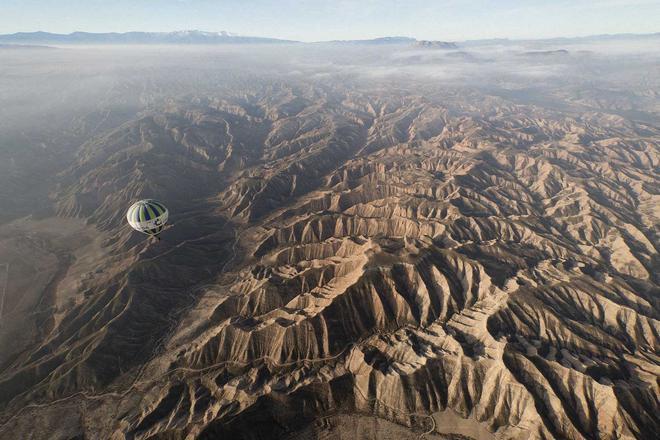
x: 392, y: 241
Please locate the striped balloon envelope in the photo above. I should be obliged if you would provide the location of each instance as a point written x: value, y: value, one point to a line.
x: 147, y: 216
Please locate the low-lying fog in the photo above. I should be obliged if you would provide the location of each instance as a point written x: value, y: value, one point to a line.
x: 55, y: 82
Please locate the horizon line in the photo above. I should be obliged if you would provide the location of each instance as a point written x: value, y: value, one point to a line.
x: 236, y: 35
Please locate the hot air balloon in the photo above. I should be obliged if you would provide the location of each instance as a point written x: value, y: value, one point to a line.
x: 147, y: 216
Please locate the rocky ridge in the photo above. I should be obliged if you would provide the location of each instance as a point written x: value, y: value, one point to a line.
x: 337, y: 252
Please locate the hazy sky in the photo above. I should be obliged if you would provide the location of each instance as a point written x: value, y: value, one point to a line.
x: 310, y: 20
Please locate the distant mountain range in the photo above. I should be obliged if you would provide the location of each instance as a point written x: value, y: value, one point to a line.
x: 179, y: 37
x: 202, y: 37
x: 568, y: 40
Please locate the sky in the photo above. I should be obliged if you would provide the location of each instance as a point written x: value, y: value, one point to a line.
x: 316, y: 20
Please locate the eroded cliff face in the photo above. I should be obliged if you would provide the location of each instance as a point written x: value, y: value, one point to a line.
x: 454, y: 264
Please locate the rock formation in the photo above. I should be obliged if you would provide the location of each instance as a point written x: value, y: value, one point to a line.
x: 451, y: 262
